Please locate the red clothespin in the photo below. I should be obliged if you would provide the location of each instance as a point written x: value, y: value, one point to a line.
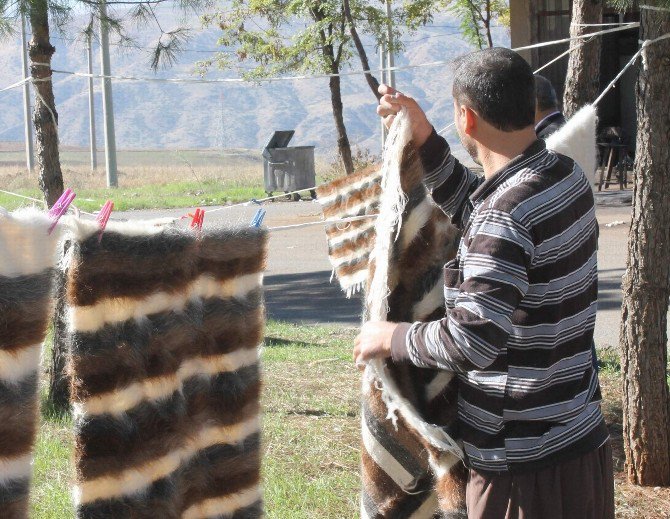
x: 60, y: 207
x: 196, y: 219
x: 103, y: 217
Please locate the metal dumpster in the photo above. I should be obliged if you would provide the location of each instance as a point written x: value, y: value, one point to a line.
x: 288, y: 168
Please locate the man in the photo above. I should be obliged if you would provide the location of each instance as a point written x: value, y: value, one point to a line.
x: 548, y: 118
x: 521, y: 300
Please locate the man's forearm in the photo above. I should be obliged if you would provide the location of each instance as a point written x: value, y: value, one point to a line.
x: 476, y: 326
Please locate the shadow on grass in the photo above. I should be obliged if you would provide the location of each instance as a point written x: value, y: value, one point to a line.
x: 309, y: 298
x: 319, y: 412
x: 276, y: 342
x: 51, y: 413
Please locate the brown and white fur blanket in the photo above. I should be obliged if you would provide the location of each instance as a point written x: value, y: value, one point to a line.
x: 406, y: 472
x: 27, y: 269
x: 164, y: 330
x: 350, y: 243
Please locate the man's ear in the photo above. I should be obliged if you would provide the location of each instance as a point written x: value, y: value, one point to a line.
x: 470, y: 120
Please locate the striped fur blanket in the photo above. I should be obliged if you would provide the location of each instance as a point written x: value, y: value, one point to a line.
x: 164, y: 331
x: 350, y: 244
x: 404, y: 474
x: 27, y: 268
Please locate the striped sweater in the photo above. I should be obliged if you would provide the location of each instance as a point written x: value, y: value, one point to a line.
x: 521, y: 300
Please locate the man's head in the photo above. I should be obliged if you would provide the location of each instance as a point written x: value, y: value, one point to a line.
x: 494, y: 98
x: 545, y: 98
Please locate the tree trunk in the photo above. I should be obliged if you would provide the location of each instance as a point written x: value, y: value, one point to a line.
x: 475, y: 25
x: 487, y: 31
x: 646, y: 284
x: 372, y: 81
x: 487, y: 25
x: 45, y: 117
x: 59, y: 389
x: 338, y: 113
x: 582, y: 82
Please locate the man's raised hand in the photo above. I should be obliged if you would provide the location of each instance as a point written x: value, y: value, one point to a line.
x: 390, y: 104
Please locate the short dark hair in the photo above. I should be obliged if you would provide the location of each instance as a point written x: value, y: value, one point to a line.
x: 498, y: 84
x: 545, y: 94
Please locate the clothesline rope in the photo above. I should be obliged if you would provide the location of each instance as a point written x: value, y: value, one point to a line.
x: 628, y: 26
x: 277, y: 228
x: 598, y: 24
x: 322, y: 222
x: 260, y: 200
x: 561, y: 55
x: 72, y: 207
x: 23, y: 196
x: 656, y: 8
x: 640, y: 51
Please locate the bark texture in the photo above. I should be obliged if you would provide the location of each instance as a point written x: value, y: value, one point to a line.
x: 582, y: 82
x: 363, y: 56
x: 59, y: 388
x: 45, y: 117
x: 343, y: 145
x: 333, y: 59
x: 646, y: 284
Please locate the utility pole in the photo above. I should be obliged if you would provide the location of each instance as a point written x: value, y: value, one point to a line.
x: 390, y: 59
x: 28, y: 132
x: 91, y: 105
x: 107, y: 106
x: 382, y: 75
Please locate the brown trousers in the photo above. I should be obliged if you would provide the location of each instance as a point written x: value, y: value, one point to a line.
x: 582, y: 488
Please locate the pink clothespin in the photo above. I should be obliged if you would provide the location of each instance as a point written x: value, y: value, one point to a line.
x: 103, y: 217
x: 60, y: 207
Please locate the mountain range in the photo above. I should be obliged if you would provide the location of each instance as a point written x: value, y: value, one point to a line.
x: 227, y: 115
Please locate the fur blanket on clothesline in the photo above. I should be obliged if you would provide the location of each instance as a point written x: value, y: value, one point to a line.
x: 27, y: 269
x: 164, y: 330
x: 350, y: 244
x: 396, y: 472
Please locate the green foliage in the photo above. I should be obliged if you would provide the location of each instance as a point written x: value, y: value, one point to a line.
x: 254, y: 31
x: 136, y: 13
x: 319, y: 42
x: 477, y: 16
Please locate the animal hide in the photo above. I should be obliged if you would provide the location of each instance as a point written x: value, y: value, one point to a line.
x: 27, y: 268
x: 404, y: 473
x: 577, y: 139
x: 350, y: 244
x: 164, y: 331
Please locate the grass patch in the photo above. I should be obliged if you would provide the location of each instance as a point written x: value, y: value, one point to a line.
x: 148, y: 179
x: 311, y: 418
x: 310, y: 422
x: 153, y: 196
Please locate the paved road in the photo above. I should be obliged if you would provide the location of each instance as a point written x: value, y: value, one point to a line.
x: 298, y: 274
x: 297, y: 280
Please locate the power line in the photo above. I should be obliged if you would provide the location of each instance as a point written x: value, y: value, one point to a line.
x: 129, y: 45
x: 311, y: 76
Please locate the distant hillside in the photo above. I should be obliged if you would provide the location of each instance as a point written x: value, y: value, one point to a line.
x: 168, y: 115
